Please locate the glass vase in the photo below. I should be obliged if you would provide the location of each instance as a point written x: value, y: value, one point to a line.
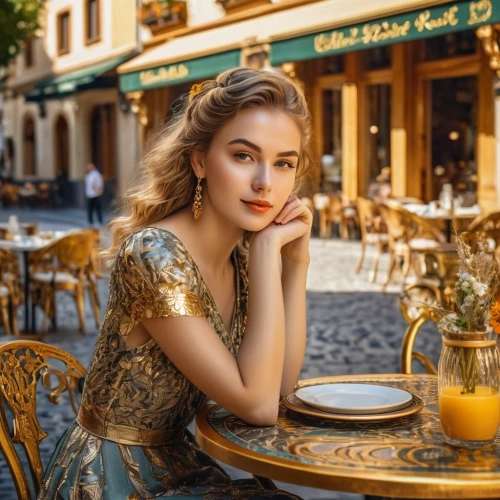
x: 468, y: 388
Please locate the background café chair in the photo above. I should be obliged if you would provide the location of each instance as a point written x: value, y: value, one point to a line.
x: 488, y: 226
x: 331, y: 210
x: 321, y: 203
x: 11, y: 294
x: 409, y: 235
x: 9, y: 195
x: 65, y: 265
x: 373, y: 232
x: 398, y: 231
x: 335, y: 213
x: 44, y: 194
x: 424, y: 239
x: 23, y: 364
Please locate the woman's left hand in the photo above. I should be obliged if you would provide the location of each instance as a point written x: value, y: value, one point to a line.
x: 294, y: 210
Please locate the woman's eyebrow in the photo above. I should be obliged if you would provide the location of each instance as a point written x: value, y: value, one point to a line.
x: 256, y: 148
x: 288, y: 153
x: 246, y: 143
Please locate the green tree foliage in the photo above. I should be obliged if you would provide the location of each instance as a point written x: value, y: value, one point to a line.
x: 19, y: 20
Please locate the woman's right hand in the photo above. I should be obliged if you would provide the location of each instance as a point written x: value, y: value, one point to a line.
x: 293, y: 222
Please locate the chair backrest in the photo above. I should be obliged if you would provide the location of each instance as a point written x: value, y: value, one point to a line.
x: 10, y: 193
x: 335, y: 208
x: 487, y: 225
x: 73, y: 251
x: 397, y: 221
x: 9, y: 263
x: 367, y: 211
x: 23, y: 363
x: 424, y: 229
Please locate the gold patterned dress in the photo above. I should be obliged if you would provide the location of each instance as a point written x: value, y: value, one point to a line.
x: 130, y: 441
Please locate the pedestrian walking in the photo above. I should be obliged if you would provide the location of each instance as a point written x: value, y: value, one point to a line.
x: 94, y: 184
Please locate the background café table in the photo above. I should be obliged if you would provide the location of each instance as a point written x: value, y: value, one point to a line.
x: 400, y: 458
x: 23, y: 245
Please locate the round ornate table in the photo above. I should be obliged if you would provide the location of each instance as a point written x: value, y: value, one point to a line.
x: 401, y: 458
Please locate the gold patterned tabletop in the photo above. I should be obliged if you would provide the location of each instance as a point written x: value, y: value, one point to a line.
x: 400, y: 458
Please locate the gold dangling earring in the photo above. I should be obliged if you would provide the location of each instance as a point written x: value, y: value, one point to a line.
x: 197, y: 208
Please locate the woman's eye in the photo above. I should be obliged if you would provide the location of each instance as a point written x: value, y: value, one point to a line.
x: 243, y: 156
x: 283, y: 163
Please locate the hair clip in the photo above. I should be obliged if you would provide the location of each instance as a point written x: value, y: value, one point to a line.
x: 195, y: 90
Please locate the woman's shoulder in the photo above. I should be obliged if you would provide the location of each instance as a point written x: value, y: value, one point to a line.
x: 153, y: 249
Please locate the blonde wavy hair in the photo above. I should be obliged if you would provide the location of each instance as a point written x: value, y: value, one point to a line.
x: 166, y: 179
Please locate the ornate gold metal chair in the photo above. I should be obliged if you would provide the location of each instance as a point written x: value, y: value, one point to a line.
x: 414, y: 304
x: 65, y: 265
x: 11, y: 294
x: 23, y: 364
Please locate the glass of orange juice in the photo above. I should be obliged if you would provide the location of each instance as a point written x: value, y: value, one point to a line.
x: 468, y: 389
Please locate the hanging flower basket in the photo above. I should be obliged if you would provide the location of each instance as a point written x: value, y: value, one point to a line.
x: 155, y: 13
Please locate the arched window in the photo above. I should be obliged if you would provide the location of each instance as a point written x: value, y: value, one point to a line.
x: 29, y: 150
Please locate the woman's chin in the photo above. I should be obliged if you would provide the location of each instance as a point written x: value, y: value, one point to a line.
x: 254, y: 226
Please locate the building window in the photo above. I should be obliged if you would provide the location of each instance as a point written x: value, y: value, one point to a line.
x: 331, y: 159
x: 92, y: 19
x: 63, y: 33
x: 333, y: 65
x: 28, y: 53
x: 463, y: 43
x: 378, y: 57
x: 378, y: 133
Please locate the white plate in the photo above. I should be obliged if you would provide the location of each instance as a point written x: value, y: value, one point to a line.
x: 355, y: 399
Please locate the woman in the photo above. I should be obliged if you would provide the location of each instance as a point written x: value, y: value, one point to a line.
x: 213, y: 246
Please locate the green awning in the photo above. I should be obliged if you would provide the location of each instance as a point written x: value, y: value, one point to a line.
x: 186, y: 71
x: 424, y: 23
x: 82, y: 79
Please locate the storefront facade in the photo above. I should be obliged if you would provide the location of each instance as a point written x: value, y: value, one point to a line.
x: 63, y: 108
x: 402, y: 91
x: 418, y: 99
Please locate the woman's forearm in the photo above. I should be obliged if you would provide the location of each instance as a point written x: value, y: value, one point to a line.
x: 261, y: 354
x: 294, y: 275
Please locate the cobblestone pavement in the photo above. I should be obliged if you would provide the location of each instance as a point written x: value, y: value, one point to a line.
x: 352, y: 328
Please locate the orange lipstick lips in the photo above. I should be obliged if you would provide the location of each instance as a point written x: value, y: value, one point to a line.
x: 259, y: 206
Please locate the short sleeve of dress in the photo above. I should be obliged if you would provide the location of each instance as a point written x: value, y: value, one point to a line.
x: 157, y: 277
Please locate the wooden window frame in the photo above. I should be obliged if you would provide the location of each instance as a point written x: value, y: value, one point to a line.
x: 63, y: 50
x: 86, y: 27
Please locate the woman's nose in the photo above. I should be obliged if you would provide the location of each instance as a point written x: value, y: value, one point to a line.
x: 262, y: 181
